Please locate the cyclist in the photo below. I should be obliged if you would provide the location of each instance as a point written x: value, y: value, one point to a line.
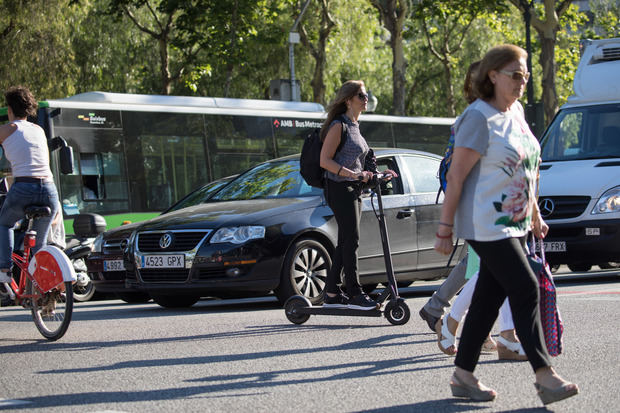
x: 25, y: 147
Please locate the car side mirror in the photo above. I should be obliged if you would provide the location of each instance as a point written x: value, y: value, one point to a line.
x: 65, y: 154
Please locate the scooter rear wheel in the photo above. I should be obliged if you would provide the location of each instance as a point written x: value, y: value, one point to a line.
x: 292, y: 306
x: 397, y: 312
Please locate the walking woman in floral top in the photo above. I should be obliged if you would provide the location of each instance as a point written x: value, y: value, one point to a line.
x: 491, y: 202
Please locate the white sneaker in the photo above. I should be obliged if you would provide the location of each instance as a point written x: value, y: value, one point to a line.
x: 5, y: 277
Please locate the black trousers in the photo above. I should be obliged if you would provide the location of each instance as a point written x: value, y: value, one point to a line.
x: 344, y: 200
x: 504, y: 272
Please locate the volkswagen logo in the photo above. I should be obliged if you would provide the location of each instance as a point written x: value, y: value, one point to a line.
x: 165, y: 241
x: 546, y: 206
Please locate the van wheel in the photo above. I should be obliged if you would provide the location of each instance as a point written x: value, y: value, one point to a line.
x: 579, y: 267
x: 304, y: 273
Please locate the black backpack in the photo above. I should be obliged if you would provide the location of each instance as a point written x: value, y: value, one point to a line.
x: 310, y: 159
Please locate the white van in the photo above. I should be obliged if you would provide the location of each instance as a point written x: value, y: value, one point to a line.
x: 580, y: 171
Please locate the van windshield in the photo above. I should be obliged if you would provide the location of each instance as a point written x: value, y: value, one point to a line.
x: 589, y: 132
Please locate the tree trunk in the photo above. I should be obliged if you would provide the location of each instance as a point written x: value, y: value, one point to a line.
x: 166, y: 79
x: 399, y: 67
x: 547, y: 60
x: 449, y: 88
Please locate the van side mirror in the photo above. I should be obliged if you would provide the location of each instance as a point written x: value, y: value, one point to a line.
x: 65, y: 154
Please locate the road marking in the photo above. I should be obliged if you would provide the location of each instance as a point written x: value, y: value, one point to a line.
x: 12, y: 402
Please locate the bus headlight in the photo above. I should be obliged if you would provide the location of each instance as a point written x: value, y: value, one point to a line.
x: 609, y: 202
x: 238, y: 235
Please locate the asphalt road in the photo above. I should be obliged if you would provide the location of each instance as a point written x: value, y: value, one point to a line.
x: 244, y: 355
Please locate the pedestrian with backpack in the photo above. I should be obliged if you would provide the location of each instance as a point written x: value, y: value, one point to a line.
x: 346, y: 168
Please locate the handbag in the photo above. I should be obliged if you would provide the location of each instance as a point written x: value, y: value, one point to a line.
x: 549, y: 314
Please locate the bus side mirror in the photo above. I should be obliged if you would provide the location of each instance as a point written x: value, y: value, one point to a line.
x: 65, y: 154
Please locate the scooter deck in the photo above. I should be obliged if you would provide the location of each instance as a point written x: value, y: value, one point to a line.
x: 339, y: 311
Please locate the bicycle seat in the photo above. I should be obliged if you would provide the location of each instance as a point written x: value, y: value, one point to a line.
x: 35, y: 211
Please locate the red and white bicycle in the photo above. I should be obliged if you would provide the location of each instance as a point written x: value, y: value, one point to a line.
x: 45, y: 281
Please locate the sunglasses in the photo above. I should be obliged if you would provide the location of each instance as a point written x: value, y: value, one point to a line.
x: 516, y: 75
x: 362, y: 96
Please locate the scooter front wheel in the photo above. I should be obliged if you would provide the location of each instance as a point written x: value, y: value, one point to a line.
x: 292, y: 307
x: 397, y: 312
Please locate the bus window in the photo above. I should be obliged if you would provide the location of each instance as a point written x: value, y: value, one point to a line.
x: 91, y: 169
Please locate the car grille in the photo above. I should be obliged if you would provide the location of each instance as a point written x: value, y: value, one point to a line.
x: 181, y: 240
x: 115, y: 275
x: 209, y: 273
x: 563, y: 206
x: 113, y: 245
x: 168, y: 275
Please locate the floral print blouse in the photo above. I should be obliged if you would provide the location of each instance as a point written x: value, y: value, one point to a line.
x: 498, y: 195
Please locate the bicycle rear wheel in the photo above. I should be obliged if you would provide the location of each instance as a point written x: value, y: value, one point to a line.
x: 52, y: 312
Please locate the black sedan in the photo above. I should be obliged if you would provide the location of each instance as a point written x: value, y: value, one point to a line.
x: 105, y: 264
x: 267, y: 230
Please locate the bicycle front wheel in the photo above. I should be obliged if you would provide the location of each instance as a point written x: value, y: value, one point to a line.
x: 52, y: 311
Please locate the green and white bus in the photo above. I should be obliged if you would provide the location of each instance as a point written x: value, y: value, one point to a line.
x: 135, y: 155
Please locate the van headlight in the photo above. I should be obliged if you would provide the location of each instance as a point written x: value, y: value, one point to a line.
x: 609, y: 202
x: 97, y: 243
x: 238, y: 235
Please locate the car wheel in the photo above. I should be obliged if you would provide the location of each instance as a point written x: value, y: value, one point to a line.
x: 134, y: 298
x: 175, y: 301
x: 304, y: 272
x: 403, y: 284
x: 83, y: 289
x: 609, y: 265
x: 554, y: 268
x: 579, y: 267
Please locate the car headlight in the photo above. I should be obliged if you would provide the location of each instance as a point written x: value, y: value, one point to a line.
x: 97, y: 243
x: 238, y: 235
x: 609, y: 202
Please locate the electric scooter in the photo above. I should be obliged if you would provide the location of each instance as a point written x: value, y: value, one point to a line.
x: 298, y: 309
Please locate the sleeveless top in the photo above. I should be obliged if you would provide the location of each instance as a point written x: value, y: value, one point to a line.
x: 353, y: 152
x: 27, y: 151
x: 498, y: 196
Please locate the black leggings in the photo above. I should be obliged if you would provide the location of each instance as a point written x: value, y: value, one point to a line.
x: 344, y: 200
x: 504, y: 272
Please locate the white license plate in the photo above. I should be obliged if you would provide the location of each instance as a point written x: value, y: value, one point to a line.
x: 113, y: 265
x: 163, y: 261
x: 555, y: 246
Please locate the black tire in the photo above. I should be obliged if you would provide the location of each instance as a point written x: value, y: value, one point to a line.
x: 304, y: 271
x: 403, y: 284
x: 86, y: 291
x: 397, y: 312
x: 52, y: 320
x: 609, y: 265
x: 292, y: 305
x: 368, y: 288
x: 175, y: 301
x: 554, y: 268
x: 134, y: 298
x: 579, y: 267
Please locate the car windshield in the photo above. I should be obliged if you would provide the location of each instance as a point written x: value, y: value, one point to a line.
x: 590, y: 132
x: 278, y: 179
x: 200, y: 195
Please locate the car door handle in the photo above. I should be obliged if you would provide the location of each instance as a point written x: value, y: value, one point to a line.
x: 404, y: 213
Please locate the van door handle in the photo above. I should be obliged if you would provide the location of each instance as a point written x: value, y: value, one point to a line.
x: 404, y: 213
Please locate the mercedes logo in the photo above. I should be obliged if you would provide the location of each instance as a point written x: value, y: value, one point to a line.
x: 546, y: 206
x: 165, y: 241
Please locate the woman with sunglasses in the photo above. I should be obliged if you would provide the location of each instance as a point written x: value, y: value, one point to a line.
x: 344, y: 162
x: 490, y: 201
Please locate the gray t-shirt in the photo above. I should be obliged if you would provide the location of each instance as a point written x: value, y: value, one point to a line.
x: 353, y: 152
x: 498, y: 195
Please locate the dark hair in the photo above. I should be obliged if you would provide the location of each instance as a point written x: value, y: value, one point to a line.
x: 349, y: 89
x: 495, y: 59
x: 468, y: 86
x: 21, y: 101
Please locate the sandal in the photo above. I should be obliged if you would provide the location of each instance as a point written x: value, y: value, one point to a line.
x: 445, y: 339
x: 510, y: 350
x: 548, y: 395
